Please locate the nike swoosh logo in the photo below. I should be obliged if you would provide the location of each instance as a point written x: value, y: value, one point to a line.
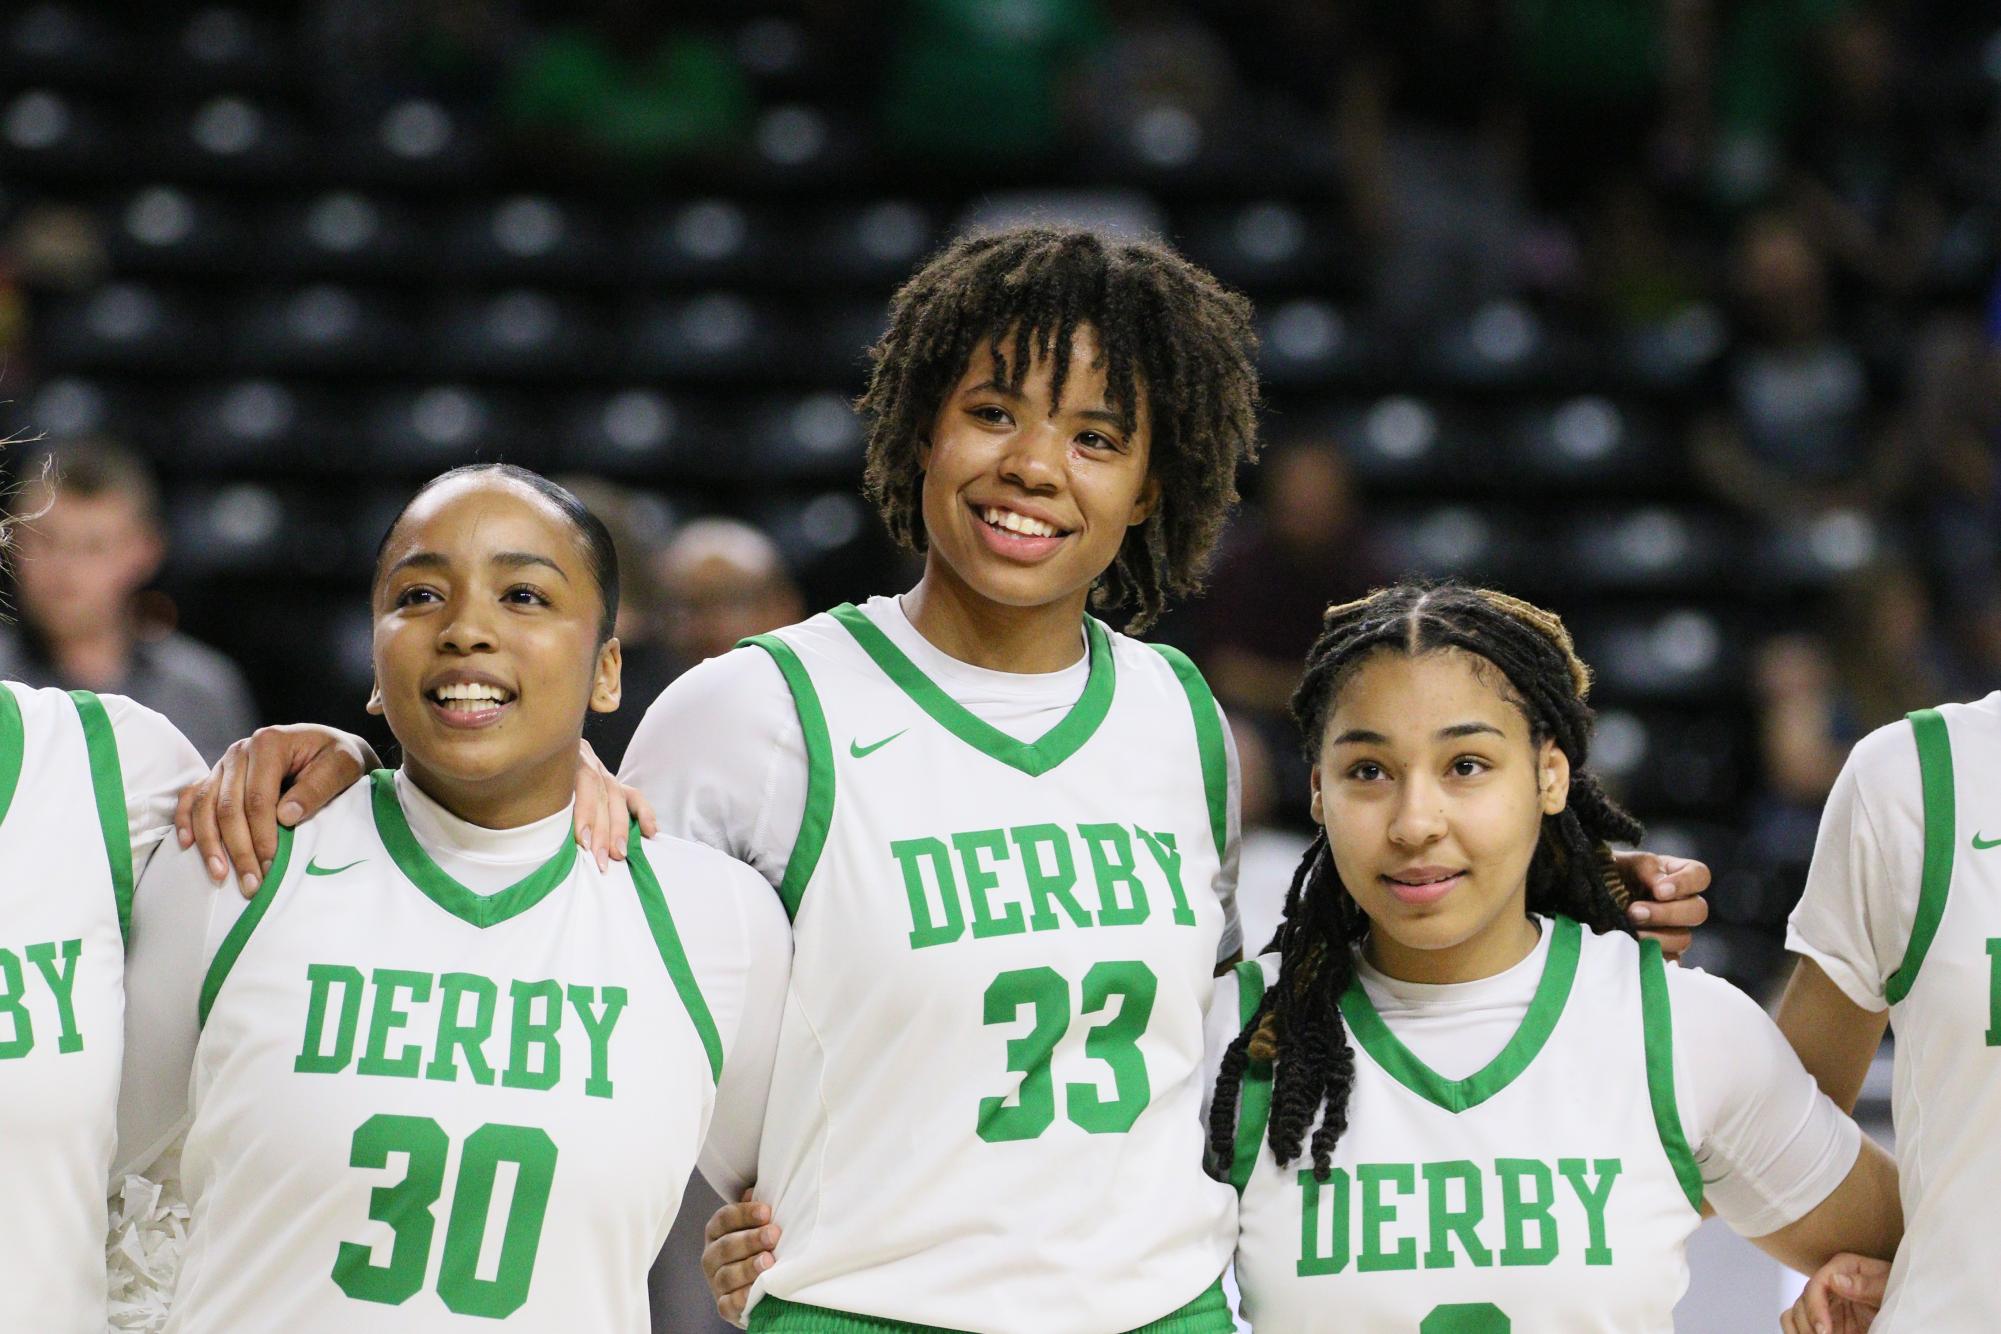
x: 314, y: 868
x: 859, y: 751
x: 1982, y: 844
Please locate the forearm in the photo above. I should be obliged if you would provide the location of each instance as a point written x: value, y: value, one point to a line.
x: 1864, y: 1216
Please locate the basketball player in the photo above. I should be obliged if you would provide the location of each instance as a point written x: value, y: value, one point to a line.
x: 1459, y: 1095
x: 1900, y: 925
x: 448, y: 1072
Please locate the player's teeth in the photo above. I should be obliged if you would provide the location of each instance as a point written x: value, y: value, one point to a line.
x: 1019, y: 523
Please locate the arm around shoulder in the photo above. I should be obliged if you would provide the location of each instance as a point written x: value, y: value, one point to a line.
x: 721, y: 758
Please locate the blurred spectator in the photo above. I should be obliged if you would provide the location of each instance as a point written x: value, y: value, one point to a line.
x: 1798, y: 435
x: 986, y: 82
x: 1817, y: 694
x: 724, y: 581
x: 1304, y: 547
x: 629, y: 83
x: 1861, y: 184
x: 1955, y: 425
x: 639, y: 527
x: 86, y: 541
x: 1428, y: 120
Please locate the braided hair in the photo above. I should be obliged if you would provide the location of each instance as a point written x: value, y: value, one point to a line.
x: 1166, y: 329
x: 1298, y: 1026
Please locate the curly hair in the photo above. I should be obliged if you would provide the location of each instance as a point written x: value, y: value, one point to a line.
x: 1298, y: 1027
x: 1166, y: 329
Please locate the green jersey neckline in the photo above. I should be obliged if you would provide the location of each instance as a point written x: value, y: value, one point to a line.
x: 481, y: 910
x: 1559, y: 970
x: 1033, y: 758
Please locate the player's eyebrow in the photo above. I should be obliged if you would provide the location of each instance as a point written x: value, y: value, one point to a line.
x: 516, y: 560
x: 1362, y: 736
x: 511, y: 560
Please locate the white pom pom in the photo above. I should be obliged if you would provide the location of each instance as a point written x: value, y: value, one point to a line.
x: 149, y: 1236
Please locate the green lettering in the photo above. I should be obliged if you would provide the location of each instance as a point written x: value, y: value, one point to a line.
x: 1056, y: 884
x: 323, y: 976
x: 61, y: 985
x: 599, y: 1026
x: 924, y: 931
x: 1111, y: 852
x: 454, y: 1032
x: 1378, y: 1213
x: 13, y: 1003
x: 1168, y: 857
x: 980, y: 881
x: 1313, y: 1259
x: 1594, y: 1200
x: 524, y: 1032
x: 385, y: 1018
x: 1994, y: 992
x: 1518, y: 1210
x: 1446, y: 1221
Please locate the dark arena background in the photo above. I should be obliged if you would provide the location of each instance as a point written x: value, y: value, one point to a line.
x: 1679, y: 316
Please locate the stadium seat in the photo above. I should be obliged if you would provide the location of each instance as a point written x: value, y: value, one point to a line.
x: 512, y: 333
x: 1682, y: 653
x: 129, y: 324
x: 636, y: 433
x: 1312, y: 343
x: 1811, y: 553
x: 1651, y: 549
x: 63, y: 44
x: 716, y: 335
x: 231, y: 136
x: 874, y: 243
x: 527, y: 237
x: 1403, y: 442
x: 1592, y: 444
x: 44, y: 130
x: 321, y: 328
x: 240, y: 527
x: 266, y: 427
x: 810, y: 437
x: 415, y: 433
x: 704, y: 242
x: 1263, y: 245
x: 163, y: 229
x: 227, y: 46
x: 1456, y: 541
x: 346, y: 234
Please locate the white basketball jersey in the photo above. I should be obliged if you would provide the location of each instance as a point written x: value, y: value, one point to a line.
x: 1945, y: 1004
x: 417, y: 1108
x: 1551, y: 1190
x: 65, y: 901
x: 984, y: 1114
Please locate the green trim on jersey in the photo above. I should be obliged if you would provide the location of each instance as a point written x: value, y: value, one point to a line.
x: 481, y: 910
x: 246, y: 922
x: 1559, y: 970
x: 107, y: 781
x: 661, y: 921
x: 1254, y: 1097
x: 1941, y: 815
x: 1209, y: 737
x: 1658, y: 1023
x: 1036, y: 758
x: 1207, y: 1314
x: 13, y: 745
x: 819, y: 814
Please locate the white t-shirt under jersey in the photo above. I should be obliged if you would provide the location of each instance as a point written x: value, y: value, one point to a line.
x: 738, y: 943
x: 723, y: 760
x: 1769, y: 1143
x: 1854, y: 919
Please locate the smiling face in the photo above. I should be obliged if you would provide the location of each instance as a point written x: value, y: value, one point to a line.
x: 1432, y: 793
x: 486, y: 649
x: 1026, y: 501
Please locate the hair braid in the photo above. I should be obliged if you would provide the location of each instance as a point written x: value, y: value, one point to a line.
x: 1298, y: 1025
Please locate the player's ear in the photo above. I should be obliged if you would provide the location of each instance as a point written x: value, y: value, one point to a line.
x: 1553, y: 778
x: 605, y: 685
x: 374, y: 704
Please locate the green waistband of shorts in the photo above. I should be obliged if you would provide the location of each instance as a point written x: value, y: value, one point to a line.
x: 1207, y: 1314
